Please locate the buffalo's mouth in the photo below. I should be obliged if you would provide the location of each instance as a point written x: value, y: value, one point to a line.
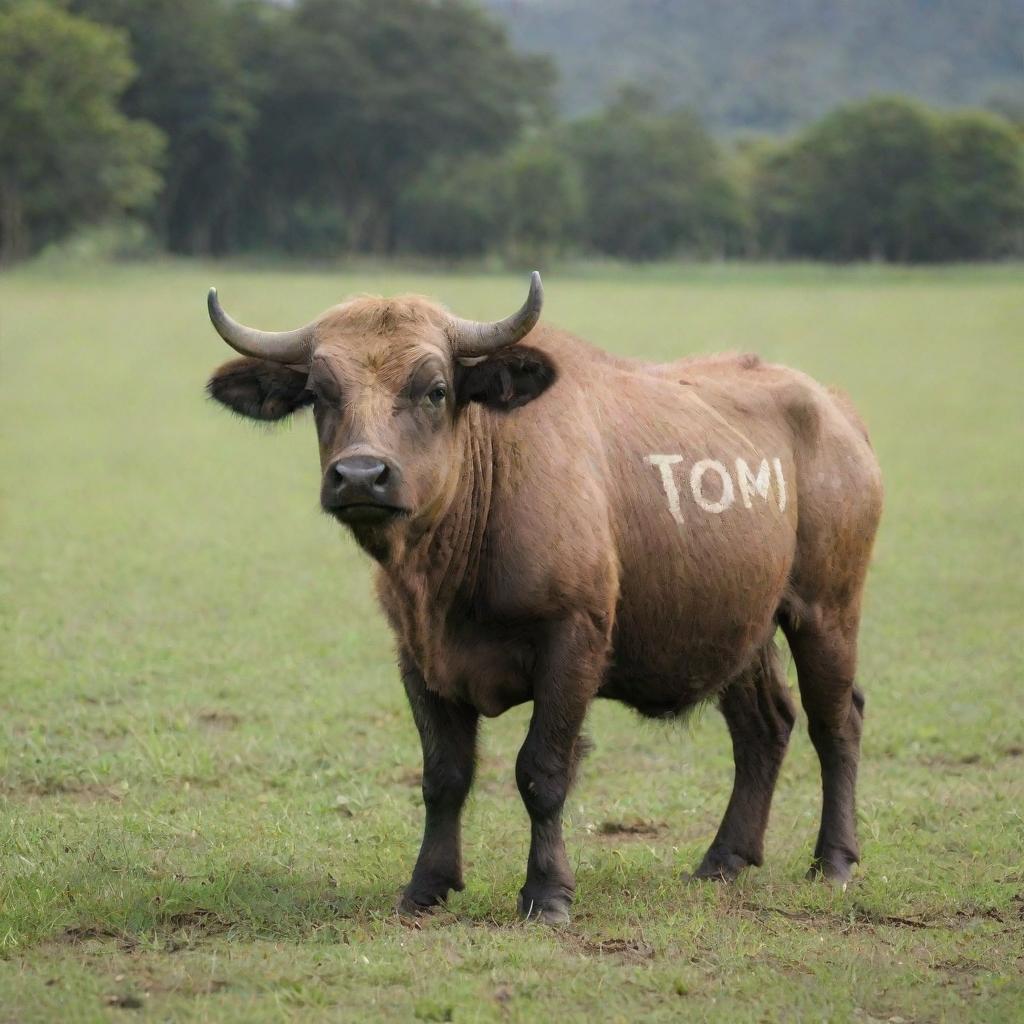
x: 365, y: 513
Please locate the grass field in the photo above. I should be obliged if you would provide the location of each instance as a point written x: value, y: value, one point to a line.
x: 208, y: 777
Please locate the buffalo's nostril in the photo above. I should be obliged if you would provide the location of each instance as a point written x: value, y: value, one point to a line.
x: 360, y: 469
x: 361, y: 478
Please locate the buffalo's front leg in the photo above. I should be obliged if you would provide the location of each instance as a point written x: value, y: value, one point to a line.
x: 448, y: 736
x: 567, y: 677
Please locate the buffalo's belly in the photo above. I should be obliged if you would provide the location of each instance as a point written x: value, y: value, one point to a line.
x: 670, y: 662
x: 692, y: 672
x: 697, y: 602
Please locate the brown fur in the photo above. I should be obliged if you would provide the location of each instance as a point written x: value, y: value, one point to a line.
x: 536, y: 559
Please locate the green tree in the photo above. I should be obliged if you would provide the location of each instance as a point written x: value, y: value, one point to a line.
x: 981, y: 203
x: 544, y: 200
x: 776, y: 196
x: 67, y: 155
x: 888, y: 179
x: 361, y: 97
x: 655, y: 184
x: 860, y: 184
x: 193, y: 85
x: 524, y: 203
x: 457, y: 209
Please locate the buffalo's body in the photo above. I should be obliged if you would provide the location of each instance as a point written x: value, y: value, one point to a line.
x: 635, y: 532
x: 577, y: 520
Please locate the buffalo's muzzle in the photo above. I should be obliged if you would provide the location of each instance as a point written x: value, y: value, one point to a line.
x: 361, y: 489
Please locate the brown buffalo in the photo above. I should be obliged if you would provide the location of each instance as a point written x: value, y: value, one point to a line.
x: 636, y: 531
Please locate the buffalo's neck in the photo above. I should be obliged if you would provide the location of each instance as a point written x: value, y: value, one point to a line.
x: 441, y: 559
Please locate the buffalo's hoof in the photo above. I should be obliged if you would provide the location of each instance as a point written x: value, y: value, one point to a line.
x: 551, y: 909
x: 720, y: 866
x: 835, y: 866
x: 414, y: 902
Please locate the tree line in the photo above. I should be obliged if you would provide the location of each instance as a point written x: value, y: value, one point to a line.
x: 389, y: 127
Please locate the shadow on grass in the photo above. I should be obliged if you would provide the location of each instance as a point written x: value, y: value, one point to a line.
x: 265, y: 900
x: 247, y: 900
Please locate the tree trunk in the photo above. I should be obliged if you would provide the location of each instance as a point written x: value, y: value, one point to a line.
x: 14, y: 235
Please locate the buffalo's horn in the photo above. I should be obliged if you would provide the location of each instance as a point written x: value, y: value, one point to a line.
x: 277, y: 346
x: 471, y: 338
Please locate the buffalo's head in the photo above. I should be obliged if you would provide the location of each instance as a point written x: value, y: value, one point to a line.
x: 389, y: 381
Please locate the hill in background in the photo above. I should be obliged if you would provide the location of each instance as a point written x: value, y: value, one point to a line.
x: 768, y: 65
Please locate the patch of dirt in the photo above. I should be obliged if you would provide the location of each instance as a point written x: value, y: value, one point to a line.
x: 209, y: 922
x: 949, y: 760
x: 412, y: 777
x: 152, y: 982
x: 973, y: 913
x: 106, y: 702
x: 895, y: 922
x: 125, y: 1001
x: 879, y: 1017
x: 83, y: 792
x: 868, y: 919
x: 190, y: 926
x: 144, y: 977
x: 192, y: 918
x: 637, y: 827
x: 215, y: 719
x: 207, y: 988
x: 503, y: 994
x: 961, y: 967
x: 80, y: 935
x: 429, y: 917
x: 793, y: 915
x: 861, y: 918
x: 630, y: 950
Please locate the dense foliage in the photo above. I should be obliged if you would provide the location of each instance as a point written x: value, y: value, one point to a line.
x: 67, y: 153
x: 191, y: 84
x: 886, y: 179
x: 655, y: 184
x: 327, y: 127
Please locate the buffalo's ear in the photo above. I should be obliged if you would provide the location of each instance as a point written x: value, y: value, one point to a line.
x: 259, y: 389
x: 506, y: 380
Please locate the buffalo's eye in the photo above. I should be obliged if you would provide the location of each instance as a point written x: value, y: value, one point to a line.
x: 437, y: 394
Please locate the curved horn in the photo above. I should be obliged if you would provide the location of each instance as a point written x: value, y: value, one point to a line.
x: 277, y: 346
x: 472, y: 338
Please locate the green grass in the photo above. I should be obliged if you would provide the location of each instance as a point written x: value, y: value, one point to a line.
x: 208, y: 778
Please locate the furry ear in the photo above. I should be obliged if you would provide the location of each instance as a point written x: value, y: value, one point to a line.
x: 259, y: 389
x: 506, y: 380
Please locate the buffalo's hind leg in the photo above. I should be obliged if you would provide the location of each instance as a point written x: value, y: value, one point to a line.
x: 825, y: 652
x: 760, y: 715
x: 448, y: 737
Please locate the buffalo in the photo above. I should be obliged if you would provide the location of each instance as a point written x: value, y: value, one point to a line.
x: 553, y: 523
